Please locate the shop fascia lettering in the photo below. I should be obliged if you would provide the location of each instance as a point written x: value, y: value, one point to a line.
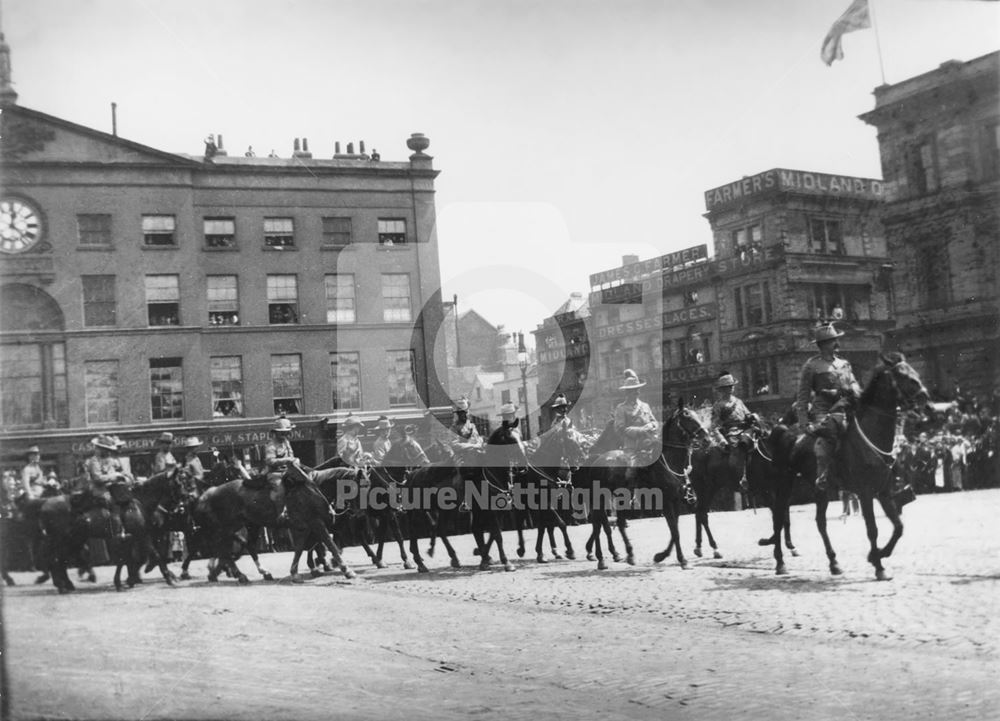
x: 797, y: 180
x: 628, y: 328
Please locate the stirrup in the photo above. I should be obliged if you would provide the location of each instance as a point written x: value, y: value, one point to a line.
x: 689, y: 495
x: 821, y: 481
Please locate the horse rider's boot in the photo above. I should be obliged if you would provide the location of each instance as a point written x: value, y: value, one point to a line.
x: 822, y: 467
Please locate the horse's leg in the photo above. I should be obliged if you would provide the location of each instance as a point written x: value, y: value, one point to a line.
x: 300, y: 539
x: 161, y: 562
x: 118, y: 573
x: 539, y: 540
x: 253, y: 534
x: 871, y: 527
x: 779, y: 520
x: 441, y: 529
x: 610, y: 536
x: 821, y: 505
x: 550, y: 529
x: 520, y: 521
x: 788, y: 531
x: 497, y: 532
x: 336, y: 557
x: 623, y: 530
x: 598, y: 521
x: 570, y: 553
x: 700, y: 518
x: 432, y: 522
x: 361, y: 531
x: 892, y: 513
x: 415, y: 541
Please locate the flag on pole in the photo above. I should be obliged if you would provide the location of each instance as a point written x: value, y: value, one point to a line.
x: 856, y: 17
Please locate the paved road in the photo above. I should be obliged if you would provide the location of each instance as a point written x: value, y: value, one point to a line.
x: 725, y: 639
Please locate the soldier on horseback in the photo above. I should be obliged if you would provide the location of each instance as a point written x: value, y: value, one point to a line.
x: 382, y: 445
x: 102, y: 470
x: 829, y: 383
x: 634, y: 419
x: 730, y: 416
x: 192, y: 471
x: 349, y: 447
x: 412, y: 451
x: 466, y: 436
x: 164, y: 459
x: 278, y: 453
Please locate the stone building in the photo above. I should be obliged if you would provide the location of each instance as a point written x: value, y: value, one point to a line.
x: 562, y: 344
x: 145, y: 291
x: 792, y: 250
x: 939, y: 137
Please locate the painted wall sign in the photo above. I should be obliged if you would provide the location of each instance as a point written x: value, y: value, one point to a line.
x: 695, y: 313
x: 780, y: 179
x: 636, y: 271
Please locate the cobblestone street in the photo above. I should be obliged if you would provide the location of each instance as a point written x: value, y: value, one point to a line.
x: 725, y: 639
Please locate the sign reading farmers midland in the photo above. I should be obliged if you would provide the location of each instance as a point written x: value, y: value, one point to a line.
x: 645, y: 268
x: 798, y: 181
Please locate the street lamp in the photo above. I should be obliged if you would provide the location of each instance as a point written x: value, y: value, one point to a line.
x: 522, y: 361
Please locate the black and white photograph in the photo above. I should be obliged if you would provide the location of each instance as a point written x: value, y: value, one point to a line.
x: 498, y: 360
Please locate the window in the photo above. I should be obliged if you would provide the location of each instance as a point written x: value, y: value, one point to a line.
x: 395, y: 297
x: 825, y: 236
x: 94, y: 229
x: 743, y: 239
x: 752, y: 304
x: 279, y: 233
x: 615, y: 360
x: 21, y: 385
x: 402, y: 387
x: 922, y: 171
x: 223, y: 300
x: 695, y: 348
x: 227, y: 386
x: 282, y: 299
x: 666, y: 354
x: 345, y: 376
x: 760, y: 377
x: 931, y: 275
x: 340, y: 298
x: 336, y: 232
x: 98, y: 300
x: 286, y: 383
x: 830, y: 302
x: 391, y: 231
x: 220, y: 232
x: 505, y: 395
x: 163, y: 300
x: 158, y: 231
x: 166, y: 389
x: 101, y: 391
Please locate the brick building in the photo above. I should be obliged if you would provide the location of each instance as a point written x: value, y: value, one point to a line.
x: 145, y: 291
x: 939, y: 137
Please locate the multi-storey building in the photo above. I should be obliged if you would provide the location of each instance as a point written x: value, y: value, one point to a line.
x: 792, y: 250
x: 939, y: 136
x: 145, y: 291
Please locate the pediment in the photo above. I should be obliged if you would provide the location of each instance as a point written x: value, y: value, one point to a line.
x: 30, y: 136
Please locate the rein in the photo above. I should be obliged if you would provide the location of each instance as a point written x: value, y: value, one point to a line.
x: 756, y: 447
x: 886, y: 458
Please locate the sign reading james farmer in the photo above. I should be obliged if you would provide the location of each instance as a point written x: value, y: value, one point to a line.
x: 645, y: 268
x: 780, y: 179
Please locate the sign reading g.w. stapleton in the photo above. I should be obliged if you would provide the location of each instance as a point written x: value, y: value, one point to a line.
x: 798, y: 181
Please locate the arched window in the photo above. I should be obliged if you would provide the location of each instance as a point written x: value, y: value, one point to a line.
x: 32, y: 373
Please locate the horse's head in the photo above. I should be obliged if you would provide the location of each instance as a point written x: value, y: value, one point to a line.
x: 563, y: 444
x: 504, y: 435
x: 895, y: 383
x: 683, y: 426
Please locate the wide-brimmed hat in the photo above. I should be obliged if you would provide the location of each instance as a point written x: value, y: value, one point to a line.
x: 165, y: 437
x: 726, y: 380
x: 462, y: 404
x: 191, y: 442
x: 119, y: 443
x: 631, y: 381
x: 350, y: 422
x: 560, y: 401
x: 507, y: 409
x: 827, y: 332
x: 383, y: 424
x: 283, y: 425
x: 33, y: 449
x: 105, y: 442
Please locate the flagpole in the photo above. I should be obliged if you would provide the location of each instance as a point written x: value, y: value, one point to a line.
x: 878, y: 44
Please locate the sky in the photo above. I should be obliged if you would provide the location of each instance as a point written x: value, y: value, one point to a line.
x: 567, y: 133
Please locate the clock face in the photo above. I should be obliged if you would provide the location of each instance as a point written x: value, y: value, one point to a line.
x: 20, y: 226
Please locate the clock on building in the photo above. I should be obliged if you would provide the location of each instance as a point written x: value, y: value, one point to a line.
x: 20, y: 225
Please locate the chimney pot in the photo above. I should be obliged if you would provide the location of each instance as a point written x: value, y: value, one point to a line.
x: 297, y: 146
x: 305, y: 145
x: 350, y: 148
x: 336, y: 147
x: 629, y: 259
x: 362, y: 147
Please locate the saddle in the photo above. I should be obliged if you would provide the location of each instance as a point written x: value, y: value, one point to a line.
x: 121, y: 493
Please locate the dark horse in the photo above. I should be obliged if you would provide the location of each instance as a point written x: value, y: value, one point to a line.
x: 222, y: 511
x: 766, y: 480
x: 719, y: 468
x: 863, y: 461
x: 562, y: 449
x: 659, y: 471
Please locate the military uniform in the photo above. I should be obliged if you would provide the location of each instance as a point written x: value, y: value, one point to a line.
x: 728, y: 415
x: 467, y: 436
x: 413, y: 454
x: 380, y: 448
x: 278, y: 454
x: 350, y: 450
x: 635, y: 422
x: 101, y: 473
x: 826, y: 383
x: 163, y: 460
x: 32, y: 479
x: 194, y: 472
